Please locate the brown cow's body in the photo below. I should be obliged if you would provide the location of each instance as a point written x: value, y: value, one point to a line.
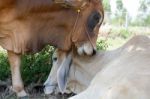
x: 29, y: 25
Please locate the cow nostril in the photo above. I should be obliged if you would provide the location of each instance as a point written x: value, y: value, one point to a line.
x: 94, y: 52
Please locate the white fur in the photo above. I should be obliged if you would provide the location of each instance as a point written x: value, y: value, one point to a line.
x: 63, y: 73
x: 125, y: 69
x: 87, y: 48
x: 80, y: 50
x: 126, y: 75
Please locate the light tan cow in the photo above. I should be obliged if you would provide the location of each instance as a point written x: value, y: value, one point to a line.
x: 26, y: 26
x: 125, y: 75
x: 120, y: 74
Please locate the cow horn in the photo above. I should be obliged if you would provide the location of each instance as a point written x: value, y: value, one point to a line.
x: 63, y: 73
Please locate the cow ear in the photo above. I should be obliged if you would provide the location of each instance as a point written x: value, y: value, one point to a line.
x: 63, y: 73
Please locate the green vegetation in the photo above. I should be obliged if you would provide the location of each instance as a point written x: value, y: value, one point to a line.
x: 4, y: 66
x: 141, y: 21
x: 106, y: 5
x: 34, y: 68
x: 115, y: 36
x: 102, y: 44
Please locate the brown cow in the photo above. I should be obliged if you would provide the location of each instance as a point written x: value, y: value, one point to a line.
x: 28, y: 25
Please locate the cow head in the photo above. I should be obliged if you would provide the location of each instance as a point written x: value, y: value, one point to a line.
x: 59, y: 73
x: 89, y: 16
x: 61, y: 23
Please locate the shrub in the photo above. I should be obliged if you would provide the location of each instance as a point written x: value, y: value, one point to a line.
x: 4, y: 66
x: 34, y: 68
x: 102, y: 44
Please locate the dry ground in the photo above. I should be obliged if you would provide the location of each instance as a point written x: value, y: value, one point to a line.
x: 35, y: 92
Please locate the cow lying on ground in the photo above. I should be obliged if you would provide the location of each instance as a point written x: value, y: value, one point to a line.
x: 121, y: 74
x: 79, y: 74
x: 26, y: 26
x: 126, y: 74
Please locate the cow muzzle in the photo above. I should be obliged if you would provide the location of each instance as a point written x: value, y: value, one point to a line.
x: 86, y: 49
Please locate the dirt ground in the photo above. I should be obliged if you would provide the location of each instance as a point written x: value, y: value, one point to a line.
x: 35, y: 92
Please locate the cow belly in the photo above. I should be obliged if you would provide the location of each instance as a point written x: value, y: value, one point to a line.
x: 13, y: 42
x: 20, y: 39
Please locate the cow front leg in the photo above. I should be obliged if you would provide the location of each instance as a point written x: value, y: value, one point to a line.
x: 17, y: 84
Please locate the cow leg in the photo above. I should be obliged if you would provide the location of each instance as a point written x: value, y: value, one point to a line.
x: 17, y: 84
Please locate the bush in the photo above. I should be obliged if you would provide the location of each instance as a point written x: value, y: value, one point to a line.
x: 102, y: 44
x: 34, y: 68
x: 4, y: 66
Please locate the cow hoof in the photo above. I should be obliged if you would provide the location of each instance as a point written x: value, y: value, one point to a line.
x: 25, y: 97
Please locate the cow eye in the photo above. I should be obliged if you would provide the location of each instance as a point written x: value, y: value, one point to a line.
x: 96, y: 17
x: 93, y: 20
x: 55, y: 59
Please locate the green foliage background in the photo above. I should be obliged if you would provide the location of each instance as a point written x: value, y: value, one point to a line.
x: 34, y: 68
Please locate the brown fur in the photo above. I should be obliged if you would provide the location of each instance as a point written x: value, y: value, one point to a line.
x: 29, y: 25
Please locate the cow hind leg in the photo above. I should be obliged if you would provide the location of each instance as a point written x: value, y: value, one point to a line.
x: 17, y: 83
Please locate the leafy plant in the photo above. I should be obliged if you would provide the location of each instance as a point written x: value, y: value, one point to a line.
x: 35, y: 68
x: 4, y: 66
x: 102, y: 45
